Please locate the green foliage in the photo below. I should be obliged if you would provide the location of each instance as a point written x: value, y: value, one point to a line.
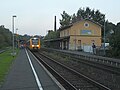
x: 115, y: 41
x: 74, y: 18
x: 66, y: 18
x: 85, y: 13
x: 109, y: 30
x: 24, y: 37
x: 52, y: 35
x: 5, y: 61
x: 6, y: 37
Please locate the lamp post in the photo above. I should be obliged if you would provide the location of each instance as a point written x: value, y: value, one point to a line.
x: 13, y: 33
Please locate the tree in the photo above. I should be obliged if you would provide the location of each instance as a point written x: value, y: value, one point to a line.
x: 109, y: 30
x: 99, y: 17
x: 6, y: 37
x: 52, y: 35
x: 115, y: 41
x: 74, y: 18
x: 82, y: 13
x: 66, y: 19
x: 87, y: 13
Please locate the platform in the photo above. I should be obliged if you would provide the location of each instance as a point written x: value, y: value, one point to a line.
x: 23, y: 76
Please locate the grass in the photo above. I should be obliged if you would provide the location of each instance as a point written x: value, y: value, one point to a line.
x: 6, y: 60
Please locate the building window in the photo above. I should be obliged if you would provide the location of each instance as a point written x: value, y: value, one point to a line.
x: 79, y: 42
x: 86, y: 32
x: 86, y: 24
x: 67, y: 32
x: 64, y: 33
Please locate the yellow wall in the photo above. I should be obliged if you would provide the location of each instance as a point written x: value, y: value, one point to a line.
x: 85, y: 40
x: 95, y: 35
x: 96, y: 30
x: 65, y: 32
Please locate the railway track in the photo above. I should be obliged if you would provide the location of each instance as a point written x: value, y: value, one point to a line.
x: 97, y: 63
x: 95, y: 71
x: 71, y: 79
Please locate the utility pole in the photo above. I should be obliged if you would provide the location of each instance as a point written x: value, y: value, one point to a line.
x: 13, y: 34
x: 104, y: 39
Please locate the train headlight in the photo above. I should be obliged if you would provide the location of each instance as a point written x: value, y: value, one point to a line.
x: 32, y: 45
x: 37, y: 45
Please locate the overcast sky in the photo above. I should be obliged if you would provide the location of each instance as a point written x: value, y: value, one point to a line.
x: 37, y: 16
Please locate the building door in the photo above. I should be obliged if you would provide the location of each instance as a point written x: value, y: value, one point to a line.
x: 79, y: 44
x: 64, y: 45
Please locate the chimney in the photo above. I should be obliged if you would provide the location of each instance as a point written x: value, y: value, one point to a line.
x: 55, y: 24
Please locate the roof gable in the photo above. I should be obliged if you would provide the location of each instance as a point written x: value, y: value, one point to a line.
x: 68, y: 26
x: 90, y: 21
x: 65, y: 27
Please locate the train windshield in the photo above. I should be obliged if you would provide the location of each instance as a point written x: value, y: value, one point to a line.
x: 35, y: 41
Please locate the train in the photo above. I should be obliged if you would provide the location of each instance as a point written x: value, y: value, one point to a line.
x: 33, y: 43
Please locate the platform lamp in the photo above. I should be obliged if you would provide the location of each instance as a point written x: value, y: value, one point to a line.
x: 13, y: 34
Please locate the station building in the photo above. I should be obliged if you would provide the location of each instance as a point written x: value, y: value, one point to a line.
x: 79, y: 36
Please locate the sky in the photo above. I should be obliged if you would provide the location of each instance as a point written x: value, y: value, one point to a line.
x: 36, y: 17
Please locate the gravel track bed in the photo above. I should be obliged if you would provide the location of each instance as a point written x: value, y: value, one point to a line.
x: 106, y: 78
x: 78, y: 82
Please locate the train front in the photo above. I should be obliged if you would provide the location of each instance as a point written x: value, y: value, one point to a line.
x: 35, y: 43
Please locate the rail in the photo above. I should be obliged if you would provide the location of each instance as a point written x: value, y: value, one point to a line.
x: 105, y: 60
x: 97, y: 84
x: 66, y: 84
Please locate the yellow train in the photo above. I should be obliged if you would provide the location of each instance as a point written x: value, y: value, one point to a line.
x: 33, y: 43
